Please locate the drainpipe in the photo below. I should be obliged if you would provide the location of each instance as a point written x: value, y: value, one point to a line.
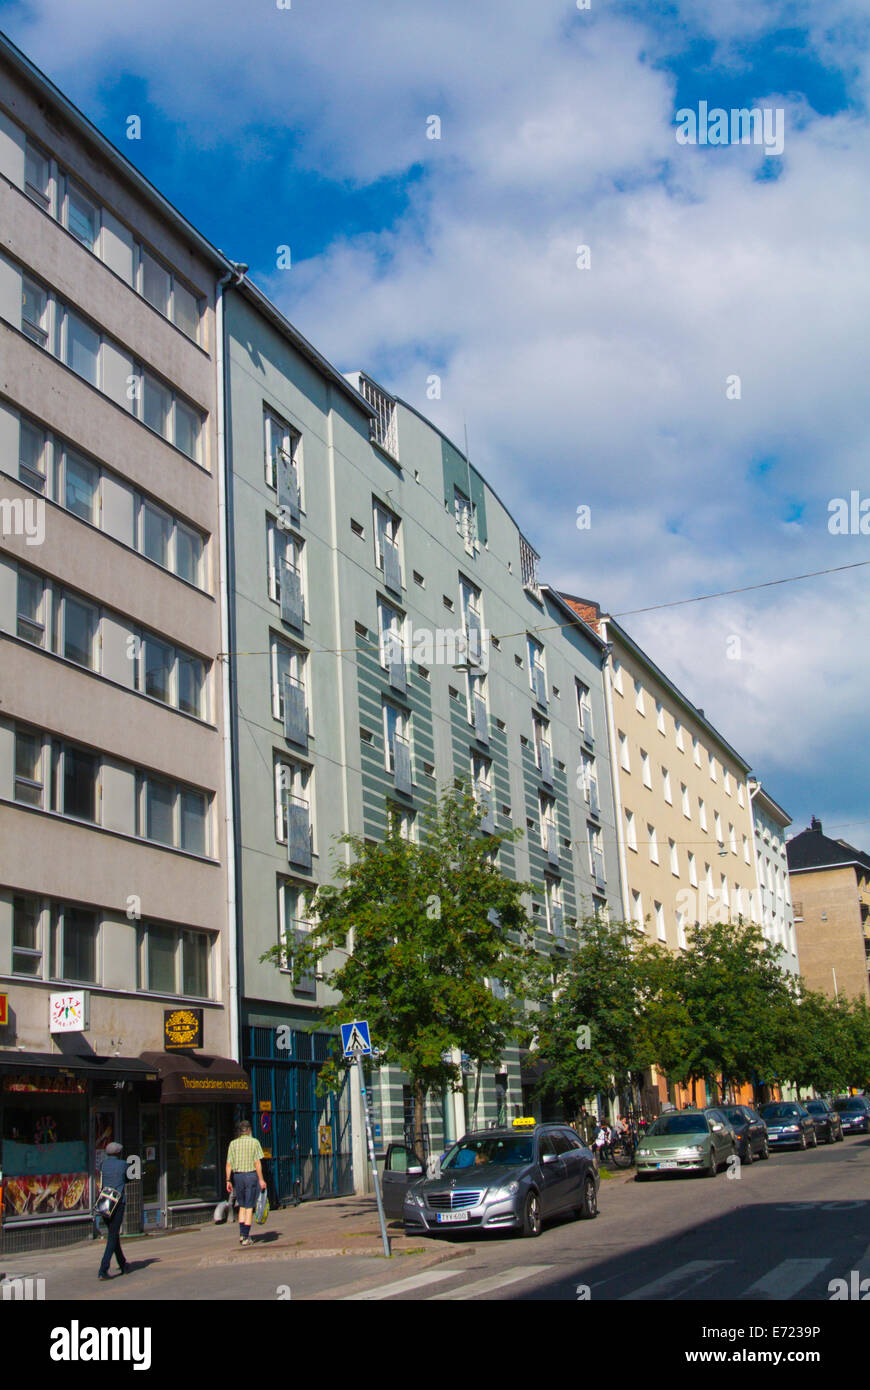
x: 233, y: 277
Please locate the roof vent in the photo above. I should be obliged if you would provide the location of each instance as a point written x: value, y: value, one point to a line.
x: 816, y: 824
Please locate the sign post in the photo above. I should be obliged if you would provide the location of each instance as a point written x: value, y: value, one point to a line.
x: 356, y: 1044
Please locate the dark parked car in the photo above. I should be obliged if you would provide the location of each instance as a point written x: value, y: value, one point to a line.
x: 512, y: 1178
x: 789, y: 1125
x: 751, y: 1131
x: 826, y: 1120
x: 854, y: 1113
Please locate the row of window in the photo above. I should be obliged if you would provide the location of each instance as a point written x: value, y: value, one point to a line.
x: 52, y: 467
x: 652, y: 841
x: 99, y: 360
x: 631, y: 834
x: 59, y: 941
x: 48, y: 185
x: 63, y: 622
x: 54, y: 775
x: 640, y: 705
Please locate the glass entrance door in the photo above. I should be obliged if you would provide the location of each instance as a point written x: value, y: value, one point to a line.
x: 152, y: 1204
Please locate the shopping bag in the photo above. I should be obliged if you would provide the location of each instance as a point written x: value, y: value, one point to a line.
x: 262, y: 1209
x: 107, y: 1201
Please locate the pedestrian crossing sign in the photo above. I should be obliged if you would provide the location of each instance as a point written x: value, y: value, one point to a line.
x: 355, y: 1039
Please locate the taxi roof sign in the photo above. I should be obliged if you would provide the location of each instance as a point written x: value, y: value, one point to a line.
x: 521, y: 1121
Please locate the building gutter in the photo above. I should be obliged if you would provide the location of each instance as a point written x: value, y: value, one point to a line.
x: 234, y: 943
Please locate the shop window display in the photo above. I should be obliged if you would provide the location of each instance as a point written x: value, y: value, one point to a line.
x: 44, y: 1154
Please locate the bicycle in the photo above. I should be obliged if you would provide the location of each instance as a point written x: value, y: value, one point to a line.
x: 621, y: 1151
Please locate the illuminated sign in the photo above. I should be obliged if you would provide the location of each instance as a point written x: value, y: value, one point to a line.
x: 182, y: 1028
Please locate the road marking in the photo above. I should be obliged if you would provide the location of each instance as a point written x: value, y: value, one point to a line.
x: 786, y: 1279
x: 495, y: 1281
x: 682, y: 1275
x: 415, y: 1281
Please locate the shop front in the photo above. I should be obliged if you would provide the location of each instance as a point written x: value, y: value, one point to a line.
x: 185, y: 1136
x: 57, y: 1114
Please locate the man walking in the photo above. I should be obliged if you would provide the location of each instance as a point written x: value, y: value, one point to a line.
x: 114, y: 1174
x: 245, y: 1174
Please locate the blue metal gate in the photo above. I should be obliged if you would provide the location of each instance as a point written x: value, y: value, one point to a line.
x: 299, y: 1119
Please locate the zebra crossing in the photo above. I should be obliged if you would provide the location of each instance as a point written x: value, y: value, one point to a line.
x: 695, y: 1279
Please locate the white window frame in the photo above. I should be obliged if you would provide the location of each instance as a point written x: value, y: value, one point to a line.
x: 693, y: 870
x: 653, y: 843
x: 390, y: 620
x: 678, y: 735
x: 660, y: 716
x: 684, y: 795
x: 702, y: 814
x: 675, y: 857
x: 617, y: 676
x: 297, y: 668
x: 73, y: 189
x: 624, y: 760
x: 666, y: 786
x: 401, y: 730
x: 646, y: 770
x: 630, y: 830
x: 638, y: 698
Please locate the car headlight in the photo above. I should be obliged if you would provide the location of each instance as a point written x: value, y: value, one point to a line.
x: 690, y: 1151
x: 508, y: 1189
x: 643, y: 1153
x: 413, y: 1199
x: 791, y: 1129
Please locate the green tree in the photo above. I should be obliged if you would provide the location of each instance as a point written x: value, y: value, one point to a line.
x: 813, y: 1044
x: 734, y: 992
x: 422, y: 930
x: 586, y: 1027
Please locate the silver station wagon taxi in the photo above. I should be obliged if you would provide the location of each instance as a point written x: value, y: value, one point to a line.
x: 514, y: 1178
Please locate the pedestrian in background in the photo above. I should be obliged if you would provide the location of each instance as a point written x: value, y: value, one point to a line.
x: 114, y: 1174
x: 245, y: 1176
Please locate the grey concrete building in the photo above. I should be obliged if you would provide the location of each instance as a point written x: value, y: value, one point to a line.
x: 113, y: 854
x: 389, y: 635
x: 772, y: 906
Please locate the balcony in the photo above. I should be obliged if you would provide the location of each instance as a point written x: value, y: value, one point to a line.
x: 295, y: 712
x: 288, y: 485
x: 392, y: 568
x: 298, y: 833
x: 402, y: 765
x: 292, y: 604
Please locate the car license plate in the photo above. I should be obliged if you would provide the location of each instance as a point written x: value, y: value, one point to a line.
x: 445, y: 1216
x: 669, y: 1163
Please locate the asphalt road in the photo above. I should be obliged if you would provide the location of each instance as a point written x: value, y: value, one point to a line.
x: 782, y: 1230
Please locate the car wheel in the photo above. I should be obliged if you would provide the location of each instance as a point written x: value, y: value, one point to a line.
x: 588, y: 1210
x: 831, y: 1135
x: 765, y: 1149
x: 815, y: 1143
x: 803, y: 1139
x: 532, y: 1215
x: 749, y: 1155
x: 712, y: 1167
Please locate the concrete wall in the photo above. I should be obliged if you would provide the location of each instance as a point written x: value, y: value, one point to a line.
x: 830, y: 936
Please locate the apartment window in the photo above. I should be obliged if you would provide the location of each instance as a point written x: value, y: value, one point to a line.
x: 678, y: 734
x: 174, y: 815
x: 478, y: 714
x: 294, y: 926
x: 537, y: 670
x: 660, y: 716
x: 630, y: 830
x: 684, y: 797
x: 288, y: 663
x: 529, y: 566
x: 745, y: 849
x: 547, y: 808
x: 702, y: 813
x: 386, y: 532
x: 29, y: 786
x: 675, y: 858
x: 708, y: 880
x: 154, y: 282
x: 638, y: 697
x: 660, y: 921
x: 623, y: 752
x: 391, y: 625
x: 34, y: 313
x: 666, y: 786
x: 681, y: 929
x: 279, y: 441
x: 31, y: 455
x: 717, y: 827
x: 185, y: 310
x: 156, y: 533
x: 37, y: 175
x: 543, y: 750
x: 285, y: 552
x: 645, y: 769
x: 170, y: 675
x: 553, y: 901
x: 740, y: 794
x: 402, y: 822
x: 696, y: 751
x: 156, y: 405
x: 82, y: 218
x: 158, y: 665
x: 617, y: 676
x: 188, y: 554
x: 79, y: 784
x: 714, y: 777
x: 383, y: 425
x: 653, y: 844
x: 481, y: 776
x: 395, y: 726
x: 31, y: 607
x: 637, y: 909
x: 292, y: 783
x: 584, y: 708
x: 726, y: 781
x: 193, y: 820
x: 161, y: 950
x: 693, y: 871
x: 74, y: 945
x: 191, y: 685
x: 26, y: 936
x: 81, y: 348
x: 726, y: 902
x: 81, y: 624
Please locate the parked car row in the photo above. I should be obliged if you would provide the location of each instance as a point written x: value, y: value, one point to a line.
x: 516, y: 1177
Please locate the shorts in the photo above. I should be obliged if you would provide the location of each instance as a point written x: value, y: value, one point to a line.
x: 247, y: 1189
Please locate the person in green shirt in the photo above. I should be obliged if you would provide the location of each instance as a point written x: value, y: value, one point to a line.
x: 245, y: 1176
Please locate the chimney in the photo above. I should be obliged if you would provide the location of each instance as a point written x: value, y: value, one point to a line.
x: 701, y: 712
x: 816, y: 824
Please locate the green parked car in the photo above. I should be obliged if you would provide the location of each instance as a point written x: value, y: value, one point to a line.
x: 698, y: 1141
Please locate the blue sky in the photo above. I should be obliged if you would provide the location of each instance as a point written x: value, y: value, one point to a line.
x: 605, y: 386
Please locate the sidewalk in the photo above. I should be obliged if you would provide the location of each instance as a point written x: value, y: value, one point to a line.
x: 344, y: 1226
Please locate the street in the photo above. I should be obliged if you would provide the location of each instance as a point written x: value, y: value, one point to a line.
x: 783, y: 1230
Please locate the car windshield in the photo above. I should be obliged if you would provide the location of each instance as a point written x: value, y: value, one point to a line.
x: 680, y: 1124
x: 780, y: 1112
x: 736, y: 1117
x: 503, y: 1152
x: 816, y: 1107
x: 848, y: 1105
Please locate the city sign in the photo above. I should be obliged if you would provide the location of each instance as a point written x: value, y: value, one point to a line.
x: 66, y: 1012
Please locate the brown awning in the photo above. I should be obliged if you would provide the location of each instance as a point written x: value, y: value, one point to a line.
x: 189, y: 1077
